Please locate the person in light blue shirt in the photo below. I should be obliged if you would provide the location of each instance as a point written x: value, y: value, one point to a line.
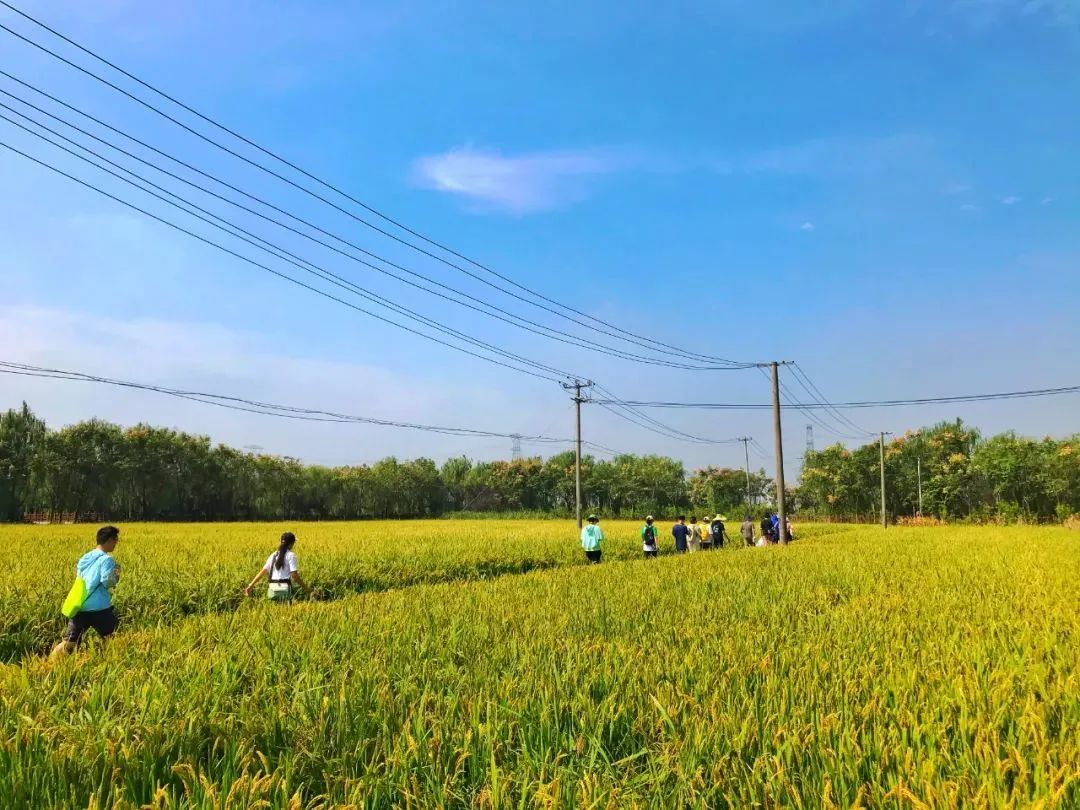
x: 591, y: 538
x: 101, y: 574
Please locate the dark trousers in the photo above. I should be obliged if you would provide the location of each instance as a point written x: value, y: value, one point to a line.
x: 594, y: 556
x: 104, y: 621
x: 649, y: 553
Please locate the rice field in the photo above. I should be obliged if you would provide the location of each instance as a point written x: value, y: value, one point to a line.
x: 480, y: 664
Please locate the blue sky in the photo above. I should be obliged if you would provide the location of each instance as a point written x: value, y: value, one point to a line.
x: 884, y: 191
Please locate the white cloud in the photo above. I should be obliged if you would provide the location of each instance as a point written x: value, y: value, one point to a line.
x: 1009, y: 199
x: 545, y: 180
x: 519, y: 184
x: 969, y: 208
x: 806, y: 226
x: 1046, y: 200
x: 220, y: 360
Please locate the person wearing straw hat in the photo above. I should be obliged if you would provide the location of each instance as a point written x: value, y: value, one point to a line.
x: 717, y: 531
x: 591, y: 538
x: 648, y: 537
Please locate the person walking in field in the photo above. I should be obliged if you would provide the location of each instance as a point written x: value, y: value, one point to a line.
x: 591, y: 538
x: 766, y: 528
x: 89, y: 602
x: 694, y: 538
x: 706, y: 535
x: 680, y: 531
x: 283, y: 570
x: 717, y: 531
x: 747, y: 531
x: 648, y: 537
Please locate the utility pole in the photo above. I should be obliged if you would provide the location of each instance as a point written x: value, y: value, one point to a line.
x: 781, y: 510
x: 746, y: 451
x: 881, y: 453
x: 918, y: 469
x: 577, y: 385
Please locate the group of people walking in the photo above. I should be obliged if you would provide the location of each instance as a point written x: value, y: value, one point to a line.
x: 89, y: 601
x: 709, y: 533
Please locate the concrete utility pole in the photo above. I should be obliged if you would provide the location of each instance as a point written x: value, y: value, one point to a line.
x: 577, y: 385
x: 746, y: 451
x: 881, y: 453
x: 781, y: 510
x: 918, y: 469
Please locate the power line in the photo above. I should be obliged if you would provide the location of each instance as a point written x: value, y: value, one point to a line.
x: 323, y: 274
x: 256, y: 406
x: 786, y: 395
x: 791, y: 400
x: 591, y: 323
x: 277, y: 250
x: 643, y: 420
x: 815, y: 394
x: 883, y: 403
x: 477, y: 305
x: 842, y: 433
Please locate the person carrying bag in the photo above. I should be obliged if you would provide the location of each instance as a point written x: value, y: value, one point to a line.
x: 283, y: 571
x: 88, y: 604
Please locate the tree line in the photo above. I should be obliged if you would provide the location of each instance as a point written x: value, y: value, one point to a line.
x: 964, y: 477
x: 96, y: 468
x: 99, y: 469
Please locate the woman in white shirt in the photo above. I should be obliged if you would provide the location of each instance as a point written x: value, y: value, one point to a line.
x: 282, y: 569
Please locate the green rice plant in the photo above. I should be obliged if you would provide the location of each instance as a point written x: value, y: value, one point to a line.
x: 170, y: 571
x: 916, y: 667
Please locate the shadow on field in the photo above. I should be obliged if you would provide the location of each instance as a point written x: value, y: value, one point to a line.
x: 29, y: 637
x: 25, y: 636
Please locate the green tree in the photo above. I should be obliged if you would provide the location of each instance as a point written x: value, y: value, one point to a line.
x: 22, y: 438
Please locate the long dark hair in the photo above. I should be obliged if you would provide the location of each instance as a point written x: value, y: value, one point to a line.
x: 287, y: 540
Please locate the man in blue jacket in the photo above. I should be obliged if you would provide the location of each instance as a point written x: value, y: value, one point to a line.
x: 680, y: 531
x: 100, y: 572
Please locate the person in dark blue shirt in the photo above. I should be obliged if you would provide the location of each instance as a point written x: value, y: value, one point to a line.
x: 680, y: 531
x: 766, y: 528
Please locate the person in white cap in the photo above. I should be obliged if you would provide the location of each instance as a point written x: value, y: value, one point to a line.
x: 648, y: 537
x: 717, y: 531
